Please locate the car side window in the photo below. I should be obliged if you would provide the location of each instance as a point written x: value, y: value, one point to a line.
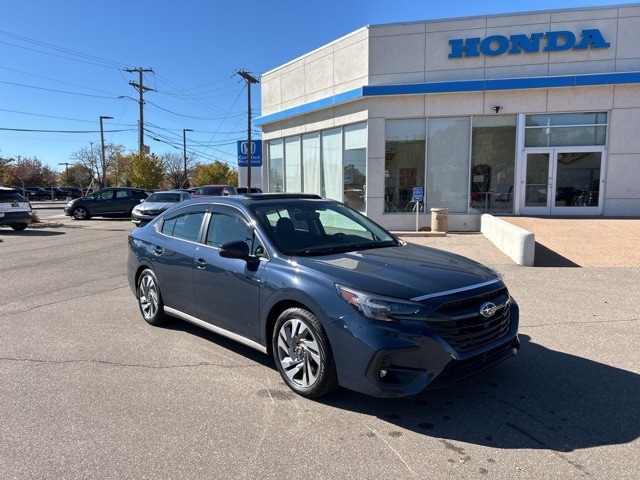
x: 122, y: 194
x: 185, y: 226
x: 106, y: 195
x: 224, y: 228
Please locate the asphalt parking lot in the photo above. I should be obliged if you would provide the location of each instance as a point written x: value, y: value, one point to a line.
x: 88, y: 390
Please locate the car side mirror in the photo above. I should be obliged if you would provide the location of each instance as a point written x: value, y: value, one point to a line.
x: 237, y: 249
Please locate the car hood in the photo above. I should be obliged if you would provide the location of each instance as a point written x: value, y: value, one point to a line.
x: 405, y: 271
x: 154, y: 206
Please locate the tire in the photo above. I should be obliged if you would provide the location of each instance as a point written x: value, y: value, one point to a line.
x: 302, y: 354
x: 81, y: 213
x: 18, y: 227
x: 150, y: 298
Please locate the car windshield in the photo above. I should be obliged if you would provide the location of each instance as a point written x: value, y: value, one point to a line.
x: 320, y: 228
x: 164, y: 197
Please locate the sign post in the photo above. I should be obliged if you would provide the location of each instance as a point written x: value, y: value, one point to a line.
x: 417, y: 198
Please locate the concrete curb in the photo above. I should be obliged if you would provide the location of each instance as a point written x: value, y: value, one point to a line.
x: 517, y: 243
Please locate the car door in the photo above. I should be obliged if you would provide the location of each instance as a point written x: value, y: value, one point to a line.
x: 123, y: 202
x: 102, y: 201
x: 227, y: 290
x: 172, y: 249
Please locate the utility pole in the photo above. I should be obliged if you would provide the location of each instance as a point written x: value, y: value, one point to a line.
x: 103, y: 162
x: 185, y: 184
x: 141, y: 89
x: 249, y: 79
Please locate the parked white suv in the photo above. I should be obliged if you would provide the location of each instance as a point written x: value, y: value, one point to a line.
x: 15, y: 210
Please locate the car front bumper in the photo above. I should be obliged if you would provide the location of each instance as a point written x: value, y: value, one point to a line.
x: 396, y: 359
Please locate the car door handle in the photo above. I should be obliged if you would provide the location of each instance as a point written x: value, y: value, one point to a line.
x: 157, y: 250
x: 200, y: 263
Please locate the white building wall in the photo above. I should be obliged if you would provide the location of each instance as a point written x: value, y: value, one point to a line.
x: 418, y: 52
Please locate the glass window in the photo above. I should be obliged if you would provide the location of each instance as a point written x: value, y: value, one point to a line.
x: 276, y: 166
x: 405, y: 148
x: 106, y: 195
x: 355, y: 165
x: 225, y: 228
x: 493, y: 156
x: 448, y: 163
x: 185, y: 226
x: 292, y: 167
x: 332, y: 164
x: 565, y: 129
x: 311, y: 163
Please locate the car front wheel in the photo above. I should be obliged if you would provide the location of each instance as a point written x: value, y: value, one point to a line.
x: 19, y: 226
x: 81, y: 213
x: 150, y: 299
x: 303, y: 354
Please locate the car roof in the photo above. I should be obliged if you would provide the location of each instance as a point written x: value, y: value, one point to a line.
x: 254, y: 198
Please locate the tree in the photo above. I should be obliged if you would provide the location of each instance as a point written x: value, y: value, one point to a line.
x: 174, y: 164
x: 77, y: 175
x: 215, y: 173
x: 27, y: 172
x: 5, y: 170
x: 146, y: 171
x: 112, y: 157
x: 91, y: 159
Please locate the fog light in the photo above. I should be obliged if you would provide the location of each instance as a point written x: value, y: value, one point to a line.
x: 383, y: 373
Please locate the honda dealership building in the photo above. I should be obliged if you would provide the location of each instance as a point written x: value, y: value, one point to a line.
x: 535, y: 113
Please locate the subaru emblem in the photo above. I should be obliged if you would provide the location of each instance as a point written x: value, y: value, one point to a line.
x: 488, y: 309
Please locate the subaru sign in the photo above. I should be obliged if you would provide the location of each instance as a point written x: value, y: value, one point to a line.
x: 243, y: 153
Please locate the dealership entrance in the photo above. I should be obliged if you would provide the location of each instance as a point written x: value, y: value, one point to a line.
x: 562, y: 181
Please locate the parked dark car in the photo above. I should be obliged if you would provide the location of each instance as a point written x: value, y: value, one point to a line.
x: 73, y: 192
x: 155, y: 204
x: 333, y: 296
x: 108, y: 202
x: 34, y: 193
x: 214, y: 190
x: 53, y: 193
x: 15, y: 210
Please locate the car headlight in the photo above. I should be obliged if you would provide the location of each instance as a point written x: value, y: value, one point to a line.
x: 378, y: 307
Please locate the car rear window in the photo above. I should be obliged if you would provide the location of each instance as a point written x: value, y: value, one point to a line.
x: 11, y: 197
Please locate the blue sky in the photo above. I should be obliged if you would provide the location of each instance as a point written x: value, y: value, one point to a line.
x: 63, y: 65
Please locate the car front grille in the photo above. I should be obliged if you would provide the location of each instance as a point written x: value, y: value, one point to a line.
x: 460, y: 324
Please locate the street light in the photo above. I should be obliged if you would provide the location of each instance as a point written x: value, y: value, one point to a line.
x: 184, y: 152
x: 104, y: 166
x: 67, y: 172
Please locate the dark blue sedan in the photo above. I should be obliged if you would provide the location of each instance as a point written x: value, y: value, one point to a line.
x: 335, y: 298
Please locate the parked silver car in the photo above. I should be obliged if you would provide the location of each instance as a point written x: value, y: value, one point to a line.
x: 155, y: 204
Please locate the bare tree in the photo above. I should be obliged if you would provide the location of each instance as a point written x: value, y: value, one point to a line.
x: 175, y: 167
x: 91, y: 158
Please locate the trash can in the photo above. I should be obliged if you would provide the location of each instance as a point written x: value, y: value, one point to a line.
x: 439, y: 219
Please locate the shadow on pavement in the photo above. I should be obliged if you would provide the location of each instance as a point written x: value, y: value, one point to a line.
x: 540, y: 399
x: 545, y: 257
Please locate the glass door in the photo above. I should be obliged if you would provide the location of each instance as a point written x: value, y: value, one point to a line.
x: 537, y: 181
x: 562, y: 182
